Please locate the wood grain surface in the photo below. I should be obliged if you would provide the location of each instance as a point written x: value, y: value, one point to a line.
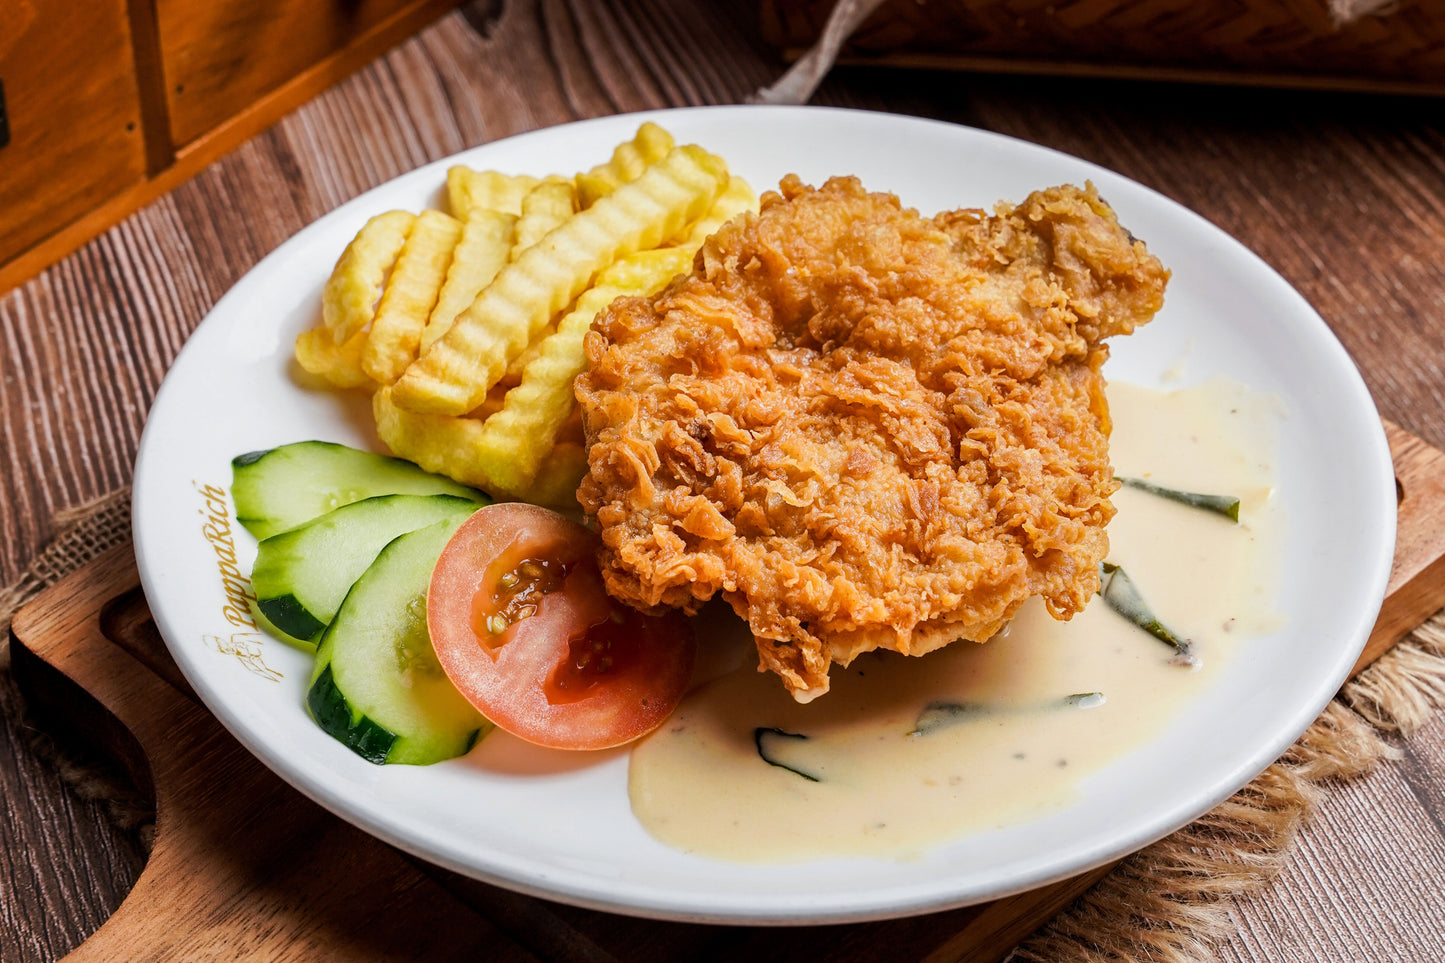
x: 1343, y: 195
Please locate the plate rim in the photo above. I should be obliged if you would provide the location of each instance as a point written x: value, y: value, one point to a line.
x: 904, y: 902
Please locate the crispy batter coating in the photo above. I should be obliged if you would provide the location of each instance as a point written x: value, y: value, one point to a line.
x: 865, y: 428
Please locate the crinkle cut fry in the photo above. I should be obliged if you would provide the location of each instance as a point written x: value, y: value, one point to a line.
x: 448, y: 445
x: 338, y: 364
x: 456, y: 372
x: 480, y: 254
x: 737, y: 198
x: 348, y: 301
x: 630, y: 158
x: 411, y: 293
x: 469, y: 190
x: 544, y: 209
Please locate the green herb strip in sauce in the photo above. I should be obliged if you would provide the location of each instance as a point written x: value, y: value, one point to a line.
x: 941, y: 714
x: 1226, y: 505
x: 766, y: 739
x: 1120, y: 595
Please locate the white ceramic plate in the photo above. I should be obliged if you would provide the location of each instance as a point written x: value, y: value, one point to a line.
x: 560, y: 826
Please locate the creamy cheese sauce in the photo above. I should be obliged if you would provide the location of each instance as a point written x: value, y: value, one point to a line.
x: 868, y: 770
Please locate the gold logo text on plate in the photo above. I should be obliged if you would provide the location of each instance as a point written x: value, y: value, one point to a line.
x: 244, y: 640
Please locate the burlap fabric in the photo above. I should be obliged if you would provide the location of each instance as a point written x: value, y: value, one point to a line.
x: 1166, y: 903
x: 81, y: 534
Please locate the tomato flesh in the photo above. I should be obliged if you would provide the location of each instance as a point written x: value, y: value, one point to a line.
x: 599, y: 653
x: 523, y: 626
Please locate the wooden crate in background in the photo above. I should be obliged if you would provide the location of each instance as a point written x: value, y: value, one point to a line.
x: 72, y: 110
x: 110, y: 103
x: 1396, y: 47
x: 223, y: 56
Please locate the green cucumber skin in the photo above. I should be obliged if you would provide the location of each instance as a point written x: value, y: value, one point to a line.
x: 289, y: 616
x: 280, y: 488
x: 358, y: 733
x: 376, y: 674
x: 308, y: 645
x: 302, y: 575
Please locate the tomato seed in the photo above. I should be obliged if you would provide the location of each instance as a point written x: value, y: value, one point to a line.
x: 519, y: 592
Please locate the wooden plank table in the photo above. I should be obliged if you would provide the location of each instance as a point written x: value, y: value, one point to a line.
x: 1344, y: 195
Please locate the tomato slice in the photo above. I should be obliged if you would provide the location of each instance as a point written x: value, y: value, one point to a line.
x: 524, y: 628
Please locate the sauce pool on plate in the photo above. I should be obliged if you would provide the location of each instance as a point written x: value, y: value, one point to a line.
x: 906, y: 753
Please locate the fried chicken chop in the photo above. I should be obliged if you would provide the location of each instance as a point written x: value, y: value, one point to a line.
x: 865, y: 428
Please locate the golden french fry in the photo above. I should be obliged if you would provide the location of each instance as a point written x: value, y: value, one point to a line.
x: 339, y: 364
x: 544, y: 209
x: 561, y: 473
x: 629, y: 160
x: 519, y: 364
x: 445, y: 444
x: 482, y: 251
x: 438, y: 443
x: 409, y: 296
x: 348, y: 302
x: 468, y: 190
x: 455, y: 373
x: 513, y: 443
x: 495, y: 399
x: 736, y: 198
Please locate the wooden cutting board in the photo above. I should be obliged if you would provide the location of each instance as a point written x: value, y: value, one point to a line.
x: 246, y: 868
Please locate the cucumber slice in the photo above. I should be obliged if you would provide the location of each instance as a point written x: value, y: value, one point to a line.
x: 377, y: 685
x: 280, y: 488
x: 301, y: 575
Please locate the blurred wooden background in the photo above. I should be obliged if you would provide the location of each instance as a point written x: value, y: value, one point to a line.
x: 1393, y: 46
x: 110, y: 103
